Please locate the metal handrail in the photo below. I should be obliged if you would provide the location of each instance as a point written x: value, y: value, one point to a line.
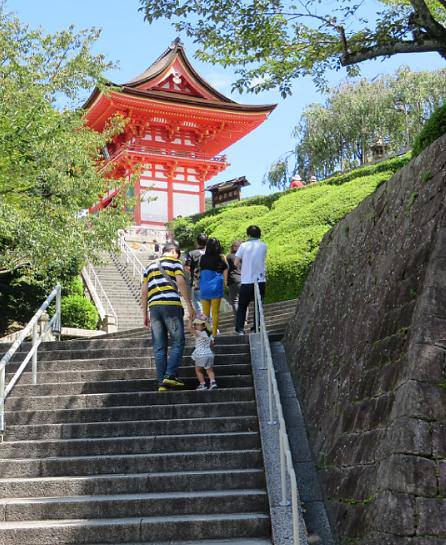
x: 275, y: 405
x: 131, y: 259
x: 98, y: 294
x: 31, y: 328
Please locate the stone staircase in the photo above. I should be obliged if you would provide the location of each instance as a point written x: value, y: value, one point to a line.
x: 94, y: 455
x: 122, y: 290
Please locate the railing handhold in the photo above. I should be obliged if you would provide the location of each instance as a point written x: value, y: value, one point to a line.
x: 32, y: 328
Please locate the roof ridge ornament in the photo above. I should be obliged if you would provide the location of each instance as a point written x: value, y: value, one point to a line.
x: 176, y: 43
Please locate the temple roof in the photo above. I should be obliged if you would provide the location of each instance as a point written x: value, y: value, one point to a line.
x: 241, y: 181
x: 173, y: 63
x: 165, y: 61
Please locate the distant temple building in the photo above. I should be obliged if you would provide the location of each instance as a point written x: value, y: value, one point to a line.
x: 178, y: 125
x: 227, y: 191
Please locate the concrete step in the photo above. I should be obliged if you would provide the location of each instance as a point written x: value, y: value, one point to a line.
x: 233, y: 541
x: 109, y: 386
x: 128, y: 445
x: 131, y: 463
x: 122, y: 399
x: 208, y: 409
x: 149, y: 504
x: 137, y: 529
x: 132, y: 483
x: 137, y: 362
x: 125, y: 374
x: 142, y: 342
x: 223, y: 424
x: 107, y: 352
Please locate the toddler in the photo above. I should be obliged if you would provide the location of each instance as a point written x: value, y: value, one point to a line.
x: 203, y: 355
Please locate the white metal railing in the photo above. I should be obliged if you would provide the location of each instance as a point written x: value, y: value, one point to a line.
x: 98, y: 294
x: 275, y: 407
x: 37, y: 338
x: 132, y: 260
x: 142, y: 232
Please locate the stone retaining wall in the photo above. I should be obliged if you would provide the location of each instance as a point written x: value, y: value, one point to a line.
x: 367, y: 348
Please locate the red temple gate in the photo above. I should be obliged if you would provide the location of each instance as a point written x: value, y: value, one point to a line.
x: 177, y: 127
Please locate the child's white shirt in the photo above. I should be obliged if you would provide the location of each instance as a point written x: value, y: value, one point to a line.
x: 203, y: 344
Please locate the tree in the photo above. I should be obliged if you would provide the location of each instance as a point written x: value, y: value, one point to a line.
x: 358, y: 116
x: 274, y: 41
x: 50, y: 162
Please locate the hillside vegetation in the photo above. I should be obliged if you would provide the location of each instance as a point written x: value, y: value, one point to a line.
x: 293, y: 222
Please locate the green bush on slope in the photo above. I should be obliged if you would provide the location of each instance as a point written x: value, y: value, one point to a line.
x: 434, y: 127
x: 293, y: 224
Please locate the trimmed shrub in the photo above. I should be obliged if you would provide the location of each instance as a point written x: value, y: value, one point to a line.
x: 434, y: 127
x: 293, y: 223
x: 231, y: 224
x: 390, y: 165
x: 78, y: 311
x: 73, y: 286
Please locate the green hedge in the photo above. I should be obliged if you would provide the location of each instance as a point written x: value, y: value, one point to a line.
x: 434, y: 127
x: 78, y: 311
x: 293, y: 222
x: 73, y: 286
x: 187, y: 229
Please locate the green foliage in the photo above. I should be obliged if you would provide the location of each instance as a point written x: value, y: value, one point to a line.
x: 188, y: 228
x: 355, y: 117
x: 294, y: 223
x: 272, y: 42
x: 48, y: 159
x: 73, y: 286
x: 433, y: 129
x: 391, y: 165
x: 78, y: 311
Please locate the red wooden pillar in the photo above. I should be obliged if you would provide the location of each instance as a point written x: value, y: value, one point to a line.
x: 170, y: 196
x: 202, y: 197
x: 137, y: 209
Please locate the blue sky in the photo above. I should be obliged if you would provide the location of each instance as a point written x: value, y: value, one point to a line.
x: 130, y: 41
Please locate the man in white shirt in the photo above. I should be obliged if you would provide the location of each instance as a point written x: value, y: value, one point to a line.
x: 251, y: 256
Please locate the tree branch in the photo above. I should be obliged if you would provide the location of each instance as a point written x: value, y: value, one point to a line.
x: 424, y: 18
x: 387, y: 50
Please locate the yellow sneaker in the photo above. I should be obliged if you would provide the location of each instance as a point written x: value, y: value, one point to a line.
x: 163, y: 389
x: 173, y: 382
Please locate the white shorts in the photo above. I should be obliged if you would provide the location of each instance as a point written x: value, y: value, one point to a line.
x: 206, y: 362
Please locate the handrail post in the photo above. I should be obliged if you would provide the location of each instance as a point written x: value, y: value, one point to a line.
x: 257, y: 309
x: 284, y: 500
x: 34, y: 359
x: 270, y: 397
x: 2, y: 399
x: 58, y: 328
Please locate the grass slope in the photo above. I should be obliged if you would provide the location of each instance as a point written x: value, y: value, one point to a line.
x: 293, y: 222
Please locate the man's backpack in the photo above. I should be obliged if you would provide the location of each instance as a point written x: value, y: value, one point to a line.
x: 194, y: 265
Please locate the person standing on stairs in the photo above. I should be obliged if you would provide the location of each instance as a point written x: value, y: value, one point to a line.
x: 192, y: 266
x: 213, y: 279
x: 233, y: 277
x: 251, y: 256
x: 203, y: 354
x: 163, y: 312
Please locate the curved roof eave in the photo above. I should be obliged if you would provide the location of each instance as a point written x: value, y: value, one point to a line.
x: 164, y: 61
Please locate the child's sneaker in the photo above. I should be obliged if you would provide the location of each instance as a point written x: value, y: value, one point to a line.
x: 201, y: 387
x: 213, y: 386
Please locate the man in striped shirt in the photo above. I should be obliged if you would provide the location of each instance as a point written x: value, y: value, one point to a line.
x: 162, y: 285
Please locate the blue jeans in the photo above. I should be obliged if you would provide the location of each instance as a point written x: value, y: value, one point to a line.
x: 167, y: 320
x: 196, y: 301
